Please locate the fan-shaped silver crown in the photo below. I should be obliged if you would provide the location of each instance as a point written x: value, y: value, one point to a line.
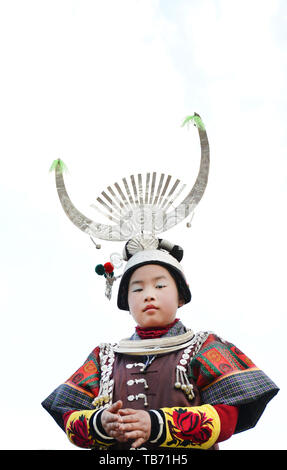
x: 140, y: 203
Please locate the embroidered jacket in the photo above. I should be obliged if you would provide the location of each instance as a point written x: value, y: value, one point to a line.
x: 223, y: 386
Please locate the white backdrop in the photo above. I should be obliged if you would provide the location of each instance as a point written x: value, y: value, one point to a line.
x: 105, y: 86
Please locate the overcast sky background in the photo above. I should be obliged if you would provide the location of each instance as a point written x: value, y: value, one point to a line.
x: 105, y: 85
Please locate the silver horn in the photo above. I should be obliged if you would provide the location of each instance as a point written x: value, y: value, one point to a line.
x: 87, y: 225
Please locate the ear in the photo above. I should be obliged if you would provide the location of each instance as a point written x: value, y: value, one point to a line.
x: 181, y: 302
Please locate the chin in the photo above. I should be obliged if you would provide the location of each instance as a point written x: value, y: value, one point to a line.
x: 153, y: 323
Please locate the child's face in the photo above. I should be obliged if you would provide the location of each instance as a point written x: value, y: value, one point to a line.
x: 153, y: 296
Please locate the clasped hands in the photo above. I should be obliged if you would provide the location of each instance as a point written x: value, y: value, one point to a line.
x: 124, y: 424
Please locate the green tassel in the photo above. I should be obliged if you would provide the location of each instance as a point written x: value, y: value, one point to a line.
x: 100, y: 270
x: 196, y: 120
x: 59, y: 163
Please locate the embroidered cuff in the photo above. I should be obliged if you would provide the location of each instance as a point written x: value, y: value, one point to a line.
x: 196, y: 427
x: 79, y: 428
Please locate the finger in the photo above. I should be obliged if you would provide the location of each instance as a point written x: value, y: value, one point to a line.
x: 127, y: 427
x: 129, y: 419
x: 138, y: 442
x: 120, y: 436
x: 115, y: 407
x: 136, y: 435
x: 129, y: 423
x: 127, y: 411
x: 110, y: 418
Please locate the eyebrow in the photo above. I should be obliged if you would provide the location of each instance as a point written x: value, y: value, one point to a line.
x: 153, y: 279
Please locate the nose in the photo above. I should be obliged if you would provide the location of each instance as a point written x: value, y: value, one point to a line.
x: 149, y: 296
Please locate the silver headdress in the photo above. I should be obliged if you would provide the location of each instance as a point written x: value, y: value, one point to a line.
x: 139, y: 208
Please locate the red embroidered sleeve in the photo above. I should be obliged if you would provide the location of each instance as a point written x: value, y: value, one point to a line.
x: 228, y: 419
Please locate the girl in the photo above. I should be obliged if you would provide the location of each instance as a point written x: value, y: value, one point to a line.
x: 164, y: 386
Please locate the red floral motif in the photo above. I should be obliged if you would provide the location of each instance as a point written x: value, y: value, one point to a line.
x: 90, y: 367
x: 189, y: 428
x: 79, y: 433
x: 225, y: 368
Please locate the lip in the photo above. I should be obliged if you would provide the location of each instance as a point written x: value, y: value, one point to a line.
x: 150, y: 307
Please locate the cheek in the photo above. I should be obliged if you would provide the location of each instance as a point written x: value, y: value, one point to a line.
x: 172, y: 303
x: 169, y: 300
x: 133, y: 302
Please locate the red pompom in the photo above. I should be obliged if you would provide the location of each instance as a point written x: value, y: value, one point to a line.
x: 109, y: 268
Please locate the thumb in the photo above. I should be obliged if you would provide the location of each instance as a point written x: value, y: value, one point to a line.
x: 114, y: 408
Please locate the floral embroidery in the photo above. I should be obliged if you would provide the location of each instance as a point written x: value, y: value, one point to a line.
x: 78, y: 432
x: 189, y: 428
x: 213, y: 355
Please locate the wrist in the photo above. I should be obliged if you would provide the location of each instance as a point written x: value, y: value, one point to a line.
x: 157, y: 425
x: 98, y: 427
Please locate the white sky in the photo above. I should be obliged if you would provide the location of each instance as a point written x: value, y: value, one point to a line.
x: 105, y: 86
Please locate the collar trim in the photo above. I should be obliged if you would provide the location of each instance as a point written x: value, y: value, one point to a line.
x: 154, y: 346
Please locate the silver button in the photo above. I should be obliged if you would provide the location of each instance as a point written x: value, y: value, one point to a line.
x: 183, y: 362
